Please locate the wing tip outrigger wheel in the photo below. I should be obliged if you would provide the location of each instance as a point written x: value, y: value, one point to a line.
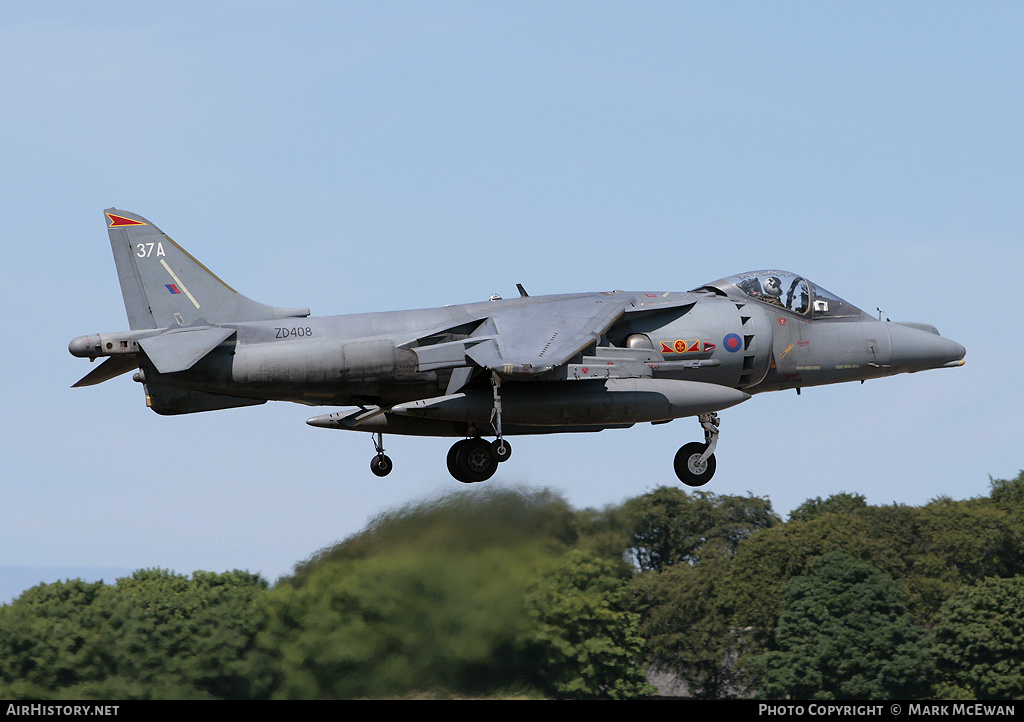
x: 381, y: 464
x: 502, y: 449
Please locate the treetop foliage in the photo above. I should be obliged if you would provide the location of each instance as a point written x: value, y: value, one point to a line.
x: 978, y: 633
x: 470, y: 520
x: 670, y: 526
x: 474, y: 592
x: 844, y: 634
x: 498, y: 592
x: 841, y: 503
x: 155, y: 634
x: 1008, y: 494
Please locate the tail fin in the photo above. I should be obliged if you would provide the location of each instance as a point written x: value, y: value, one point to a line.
x: 163, y: 285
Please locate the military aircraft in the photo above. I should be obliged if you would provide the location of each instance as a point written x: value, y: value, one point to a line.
x: 497, y: 368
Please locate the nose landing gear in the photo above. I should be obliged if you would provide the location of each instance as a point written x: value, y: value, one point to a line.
x: 695, y: 462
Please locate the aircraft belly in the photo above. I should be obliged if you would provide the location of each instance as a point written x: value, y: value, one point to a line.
x: 170, y: 401
x: 580, y: 403
x: 386, y: 423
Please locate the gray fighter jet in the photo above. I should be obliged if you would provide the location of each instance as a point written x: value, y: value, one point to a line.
x: 497, y: 368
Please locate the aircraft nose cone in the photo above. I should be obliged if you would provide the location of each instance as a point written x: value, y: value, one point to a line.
x: 917, y: 349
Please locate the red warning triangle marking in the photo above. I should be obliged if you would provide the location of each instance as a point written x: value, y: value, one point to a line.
x: 122, y: 221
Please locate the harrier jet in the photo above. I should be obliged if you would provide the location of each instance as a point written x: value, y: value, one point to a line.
x: 497, y: 368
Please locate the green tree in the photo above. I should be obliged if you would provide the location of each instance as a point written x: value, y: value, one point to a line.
x: 469, y: 594
x: 844, y: 634
x: 399, y: 623
x: 1008, y: 494
x: 979, y: 641
x: 930, y: 551
x: 464, y: 521
x: 155, y: 635
x: 581, y: 635
x: 842, y: 503
x: 683, y: 543
x: 688, y: 630
x: 763, y: 565
x: 669, y: 526
x: 53, y: 636
x: 968, y: 541
x: 191, y: 636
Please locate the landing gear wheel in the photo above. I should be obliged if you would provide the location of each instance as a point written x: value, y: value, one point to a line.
x: 688, y: 467
x: 381, y: 465
x: 471, y: 460
x: 453, y: 454
x: 501, y: 449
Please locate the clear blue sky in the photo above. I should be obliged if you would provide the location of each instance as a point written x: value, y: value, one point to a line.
x: 362, y: 156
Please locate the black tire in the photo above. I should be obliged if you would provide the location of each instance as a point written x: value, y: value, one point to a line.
x: 381, y: 465
x: 502, y: 450
x: 686, y: 465
x: 471, y: 460
x: 453, y: 453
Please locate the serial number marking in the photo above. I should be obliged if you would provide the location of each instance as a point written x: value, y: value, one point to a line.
x: 145, y: 250
x: 299, y: 331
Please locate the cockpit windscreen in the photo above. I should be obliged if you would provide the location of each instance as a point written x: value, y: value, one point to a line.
x: 793, y: 293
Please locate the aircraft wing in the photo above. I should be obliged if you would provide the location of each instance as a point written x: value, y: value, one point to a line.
x: 531, y: 339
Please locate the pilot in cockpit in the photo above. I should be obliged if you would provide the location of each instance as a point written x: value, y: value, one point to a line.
x: 773, y: 290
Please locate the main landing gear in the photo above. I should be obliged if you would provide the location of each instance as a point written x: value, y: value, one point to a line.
x: 469, y: 460
x: 695, y: 462
x: 473, y: 460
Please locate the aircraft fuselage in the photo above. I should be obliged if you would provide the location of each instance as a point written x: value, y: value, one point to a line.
x: 527, y: 365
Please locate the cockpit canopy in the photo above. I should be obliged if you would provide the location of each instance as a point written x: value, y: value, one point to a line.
x: 786, y: 290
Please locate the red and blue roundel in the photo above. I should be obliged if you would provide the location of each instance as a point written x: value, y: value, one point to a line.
x: 732, y: 343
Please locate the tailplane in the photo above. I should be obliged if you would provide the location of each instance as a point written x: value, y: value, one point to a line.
x: 163, y: 285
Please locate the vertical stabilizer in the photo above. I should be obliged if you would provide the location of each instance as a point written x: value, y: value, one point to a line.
x: 163, y: 285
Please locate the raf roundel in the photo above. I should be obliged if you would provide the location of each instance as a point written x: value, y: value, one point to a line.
x: 732, y: 343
